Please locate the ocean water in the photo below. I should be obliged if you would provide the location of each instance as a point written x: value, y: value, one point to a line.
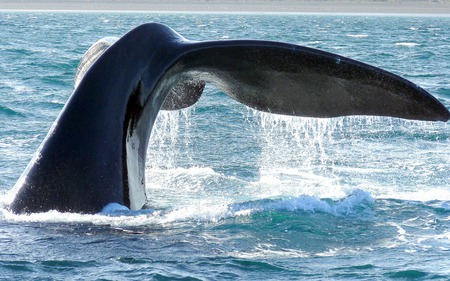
x: 238, y: 194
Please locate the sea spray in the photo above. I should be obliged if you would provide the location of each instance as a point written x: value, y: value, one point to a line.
x: 168, y: 137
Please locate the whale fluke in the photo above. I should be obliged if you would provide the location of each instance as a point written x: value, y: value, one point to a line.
x: 96, y: 151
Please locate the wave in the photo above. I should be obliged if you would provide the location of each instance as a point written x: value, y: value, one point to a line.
x: 358, y: 205
x: 356, y: 202
x: 353, y: 203
x: 413, y: 274
x: 8, y: 112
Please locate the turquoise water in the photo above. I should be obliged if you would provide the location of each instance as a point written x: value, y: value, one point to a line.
x: 238, y: 194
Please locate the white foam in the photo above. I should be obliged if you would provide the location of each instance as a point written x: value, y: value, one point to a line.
x: 345, y: 206
x: 311, y: 43
x: 17, y: 86
x: 118, y: 215
x: 207, y: 212
x: 357, y: 35
x: 406, y: 44
x: 122, y: 218
x: 214, y: 212
x: 267, y: 251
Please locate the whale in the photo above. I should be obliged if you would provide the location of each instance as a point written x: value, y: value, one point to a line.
x: 95, y: 152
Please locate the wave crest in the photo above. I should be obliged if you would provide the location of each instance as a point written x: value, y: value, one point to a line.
x: 357, y: 201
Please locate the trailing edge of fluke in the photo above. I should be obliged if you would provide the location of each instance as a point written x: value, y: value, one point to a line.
x: 95, y: 153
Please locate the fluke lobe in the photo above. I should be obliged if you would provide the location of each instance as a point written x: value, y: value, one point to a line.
x: 95, y: 152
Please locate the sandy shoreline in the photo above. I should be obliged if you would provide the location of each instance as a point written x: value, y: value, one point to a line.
x: 279, y: 6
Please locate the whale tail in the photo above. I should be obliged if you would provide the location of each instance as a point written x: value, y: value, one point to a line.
x: 96, y: 153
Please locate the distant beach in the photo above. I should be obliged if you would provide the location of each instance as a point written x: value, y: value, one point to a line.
x: 277, y: 6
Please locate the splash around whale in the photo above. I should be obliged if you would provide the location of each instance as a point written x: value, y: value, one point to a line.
x: 95, y: 152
